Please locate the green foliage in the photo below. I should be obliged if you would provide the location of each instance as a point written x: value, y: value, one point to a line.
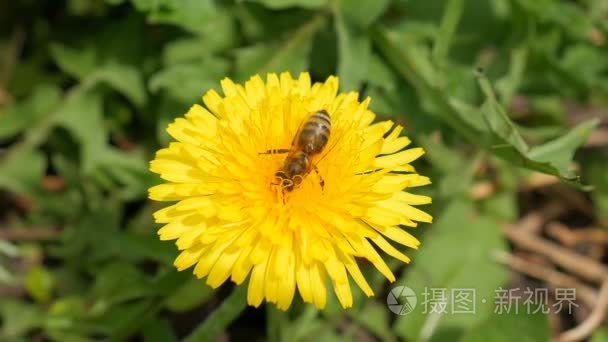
x: 88, y: 87
x: 525, y: 328
x: 440, y: 264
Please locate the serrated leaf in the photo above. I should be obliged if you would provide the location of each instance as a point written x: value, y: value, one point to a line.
x: 552, y: 157
x: 128, y: 171
x: 559, y: 152
x: 78, y: 63
x: 125, y: 79
x: 27, y: 113
x: 82, y: 117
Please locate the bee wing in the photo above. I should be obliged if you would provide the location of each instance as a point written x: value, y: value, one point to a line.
x: 327, y: 151
x: 295, y: 136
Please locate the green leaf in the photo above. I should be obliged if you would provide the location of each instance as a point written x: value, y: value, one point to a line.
x: 22, y: 172
x: 27, y: 113
x: 128, y: 171
x: 204, y: 17
x: 78, y: 63
x: 125, y: 79
x: 119, y: 282
x: 362, y: 13
x: 82, y: 117
x: 192, y: 294
x: 569, y: 16
x: 600, y: 335
x: 500, y: 136
x: 502, y: 205
x: 497, y: 119
x: 184, y: 51
x: 596, y: 174
x: 39, y: 284
x: 522, y: 326
x: 559, y: 152
x: 448, y: 260
x: 510, y: 83
x: 126, y: 320
x: 552, y: 157
x: 289, y: 55
x: 276, y: 322
x: 354, y: 52
x: 451, y: 17
x: 412, y: 62
x: 282, y: 4
x: 18, y: 318
x: 158, y: 330
x: 187, y: 82
x: 219, y: 319
x: 375, y: 318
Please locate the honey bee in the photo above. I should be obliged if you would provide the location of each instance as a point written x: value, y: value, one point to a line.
x: 310, y: 140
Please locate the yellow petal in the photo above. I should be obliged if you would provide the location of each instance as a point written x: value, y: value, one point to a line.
x: 303, y: 282
x: 222, y: 269
x: 255, y: 292
x: 390, y: 250
x: 317, y: 285
x: 188, y: 257
x: 242, y: 266
x: 397, y: 159
x: 287, y: 284
x: 355, y: 272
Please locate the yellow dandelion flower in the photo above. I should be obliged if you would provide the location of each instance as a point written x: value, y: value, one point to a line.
x: 237, y: 216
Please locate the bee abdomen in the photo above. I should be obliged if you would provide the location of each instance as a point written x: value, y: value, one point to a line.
x: 321, y: 116
x: 315, y: 132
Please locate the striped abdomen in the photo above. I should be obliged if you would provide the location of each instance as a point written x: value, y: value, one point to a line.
x: 314, y: 134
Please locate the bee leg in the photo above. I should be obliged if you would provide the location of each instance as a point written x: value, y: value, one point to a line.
x: 321, y: 180
x: 276, y: 151
x: 286, y: 186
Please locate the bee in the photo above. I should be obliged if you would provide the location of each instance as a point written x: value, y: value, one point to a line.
x: 309, y: 141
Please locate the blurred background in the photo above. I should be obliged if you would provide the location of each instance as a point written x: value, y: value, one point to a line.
x: 508, y: 97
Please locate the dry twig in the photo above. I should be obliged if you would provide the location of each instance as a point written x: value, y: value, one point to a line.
x: 594, y: 319
x: 29, y: 234
x: 554, y: 278
x: 571, y: 237
x: 583, y: 266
